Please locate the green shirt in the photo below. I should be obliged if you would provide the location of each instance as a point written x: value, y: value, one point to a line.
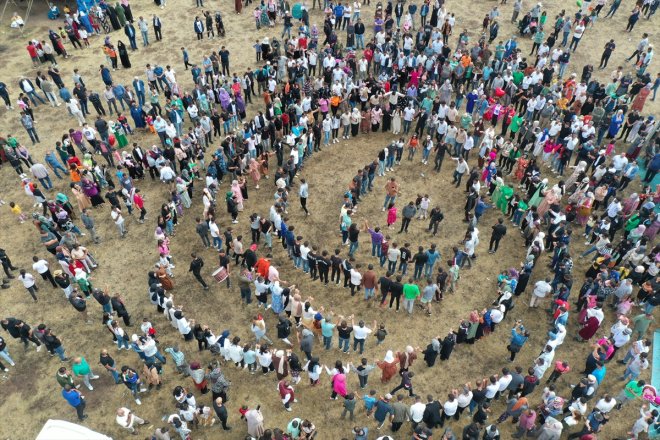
x: 633, y: 389
x: 410, y: 291
x: 63, y: 380
x: 82, y: 368
x: 516, y: 122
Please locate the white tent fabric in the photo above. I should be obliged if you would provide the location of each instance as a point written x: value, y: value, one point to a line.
x: 61, y: 430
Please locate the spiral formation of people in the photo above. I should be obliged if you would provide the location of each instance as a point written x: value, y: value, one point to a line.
x: 266, y: 220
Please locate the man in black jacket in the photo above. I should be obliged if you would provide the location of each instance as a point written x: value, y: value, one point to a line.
x: 221, y: 412
x: 499, y: 231
x: 195, y: 267
x: 432, y: 413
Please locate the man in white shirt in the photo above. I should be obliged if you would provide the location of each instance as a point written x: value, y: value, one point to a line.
x: 416, y: 412
x: 41, y: 267
x: 541, y: 290
x: 118, y: 218
x: 360, y: 333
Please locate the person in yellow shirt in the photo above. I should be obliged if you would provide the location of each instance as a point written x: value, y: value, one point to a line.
x: 18, y: 212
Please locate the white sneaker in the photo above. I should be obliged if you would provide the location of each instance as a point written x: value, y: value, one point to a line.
x: 94, y: 377
x: 38, y: 347
x: 91, y: 388
x: 137, y: 401
x: 143, y: 390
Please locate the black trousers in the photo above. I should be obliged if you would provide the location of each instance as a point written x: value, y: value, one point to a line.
x: 303, y: 204
x: 336, y: 272
x: 404, y: 224
x: 199, y: 278
x: 496, y: 241
x: 47, y: 276
x: 323, y: 274
x: 80, y: 410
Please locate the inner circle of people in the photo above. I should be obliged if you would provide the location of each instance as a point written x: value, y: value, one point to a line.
x: 432, y: 87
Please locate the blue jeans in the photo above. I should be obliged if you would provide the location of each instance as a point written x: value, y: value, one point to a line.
x: 588, y: 251
x: 297, y: 261
x: 59, y: 351
x: 59, y: 167
x: 344, y: 342
x: 390, y: 164
x: 359, y: 41
x: 122, y: 343
x: 388, y: 200
x: 5, y: 355
x: 418, y: 271
x: 428, y: 269
x: 376, y: 249
x: 46, y: 182
x: 305, y: 266
x: 403, y: 268
x: 391, y: 266
x: 368, y: 292
x: 217, y: 242
x: 359, y: 342
x: 115, y: 375
x: 158, y: 356
x: 629, y: 374
x: 517, y: 216
x: 327, y: 342
x: 352, y: 248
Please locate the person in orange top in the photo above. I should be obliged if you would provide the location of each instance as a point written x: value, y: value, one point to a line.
x: 391, y: 191
x: 466, y: 60
x: 112, y: 54
x: 413, y: 143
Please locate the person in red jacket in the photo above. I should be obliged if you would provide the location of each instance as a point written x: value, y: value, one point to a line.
x: 138, y: 201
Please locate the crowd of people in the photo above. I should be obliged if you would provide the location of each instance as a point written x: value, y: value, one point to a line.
x: 529, y: 121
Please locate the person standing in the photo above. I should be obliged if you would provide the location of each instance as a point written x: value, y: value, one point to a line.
x: 4, y: 354
x: 221, y: 412
x: 196, y: 267
x: 518, y: 338
x: 118, y: 218
x: 75, y: 399
x: 30, y: 283
x: 541, y: 289
x: 41, y: 267
x: 144, y: 27
x: 499, y: 231
x: 158, y: 24
x: 28, y: 124
x: 410, y: 294
x: 607, y: 52
x: 81, y: 368
x: 303, y: 192
x: 109, y: 364
x: 407, y: 214
x: 88, y: 222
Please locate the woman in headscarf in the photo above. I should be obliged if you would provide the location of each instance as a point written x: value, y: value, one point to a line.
x: 640, y: 99
x: 232, y: 208
x: 591, y: 318
x: 182, y: 192
x: 551, y: 197
x: 253, y: 170
x: 138, y: 116
x: 238, y: 194
x: 338, y: 380
x: 615, y: 124
x: 523, y: 162
x: 286, y: 390
x: 584, y: 208
x: 281, y: 364
x: 630, y: 205
x: 579, y: 169
x: 447, y: 345
x: 83, y: 200
x: 255, y: 422
x: 91, y: 190
x: 637, y: 233
x: 406, y: 358
x: 121, y: 14
x: 535, y: 200
x: 166, y: 282
x: 198, y: 377
x: 388, y: 366
x: 123, y: 54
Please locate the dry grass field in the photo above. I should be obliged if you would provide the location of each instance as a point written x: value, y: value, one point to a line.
x: 30, y: 394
